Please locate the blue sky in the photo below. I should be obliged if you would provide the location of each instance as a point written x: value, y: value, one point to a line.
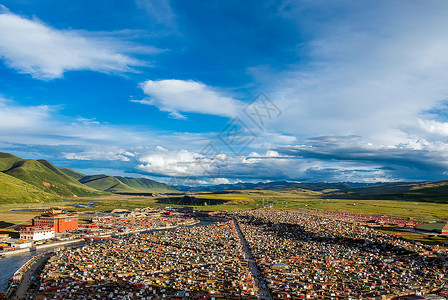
x: 356, y: 90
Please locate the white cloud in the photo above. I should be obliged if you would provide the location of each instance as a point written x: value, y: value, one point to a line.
x: 180, y: 163
x: 434, y: 127
x: 220, y: 168
x: 193, y: 182
x: 32, y: 47
x: 220, y: 181
x: 113, y: 153
x: 178, y: 96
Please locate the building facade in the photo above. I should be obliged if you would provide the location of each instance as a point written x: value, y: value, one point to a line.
x: 57, y: 219
x: 34, y: 233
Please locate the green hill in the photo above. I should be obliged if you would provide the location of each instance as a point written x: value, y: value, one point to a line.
x: 72, y: 173
x: 125, y: 185
x: 7, y: 160
x: 46, y: 177
x: 13, y: 190
x: 28, y: 180
x: 107, y: 183
x: 146, y: 185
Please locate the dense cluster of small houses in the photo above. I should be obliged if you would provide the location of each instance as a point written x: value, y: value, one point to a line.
x: 300, y: 254
x: 116, y: 224
x: 317, y: 255
x: 187, y: 261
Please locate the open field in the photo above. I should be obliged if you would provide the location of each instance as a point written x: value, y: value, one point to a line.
x: 17, y: 217
x: 243, y: 200
x: 101, y: 204
x: 420, y: 211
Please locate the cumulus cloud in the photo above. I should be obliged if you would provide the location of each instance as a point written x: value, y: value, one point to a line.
x: 220, y: 181
x: 178, y: 96
x: 221, y: 168
x: 433, y: 127
x: 180, y: 163
x: 32, y: 47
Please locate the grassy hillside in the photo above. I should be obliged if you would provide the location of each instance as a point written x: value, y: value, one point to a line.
x: 125, y: 185
x: 72, y: 173
x: 107, y: 183
x: 48, y: 178
x: 13, y: 190
x: 147, y: 185
x: 7, y: 160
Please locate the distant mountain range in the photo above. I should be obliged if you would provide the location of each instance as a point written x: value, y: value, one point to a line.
x: 430, y: 191
x: 275, y: 185
x: 28, y: 180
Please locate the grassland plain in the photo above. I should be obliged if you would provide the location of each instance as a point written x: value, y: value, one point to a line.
x: 420, y: 211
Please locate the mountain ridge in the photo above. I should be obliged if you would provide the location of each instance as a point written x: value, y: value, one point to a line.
x: 429, y: 191
x: 125, y: 185
x: 29, y: 180
x: 45, y: 176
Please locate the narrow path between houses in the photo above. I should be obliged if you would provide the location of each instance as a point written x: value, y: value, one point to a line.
x: 260, y: 281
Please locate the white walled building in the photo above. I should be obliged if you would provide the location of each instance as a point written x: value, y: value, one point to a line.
x: 21, y: 245
x: 34, y: 233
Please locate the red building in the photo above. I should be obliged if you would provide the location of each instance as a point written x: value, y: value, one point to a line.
x: 58, y: 219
